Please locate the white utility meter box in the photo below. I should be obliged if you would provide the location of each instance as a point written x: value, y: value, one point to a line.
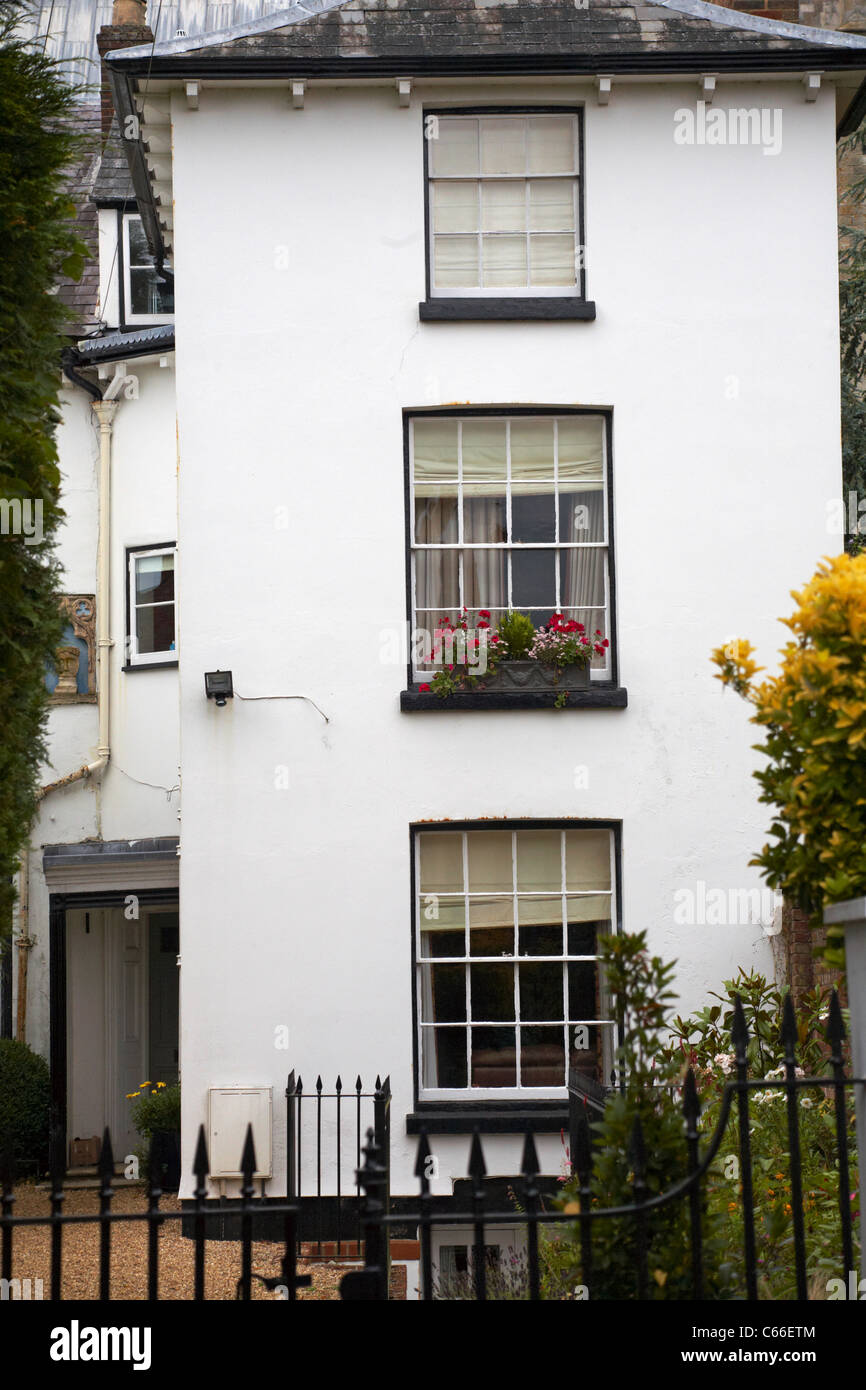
x: 230, y: 1110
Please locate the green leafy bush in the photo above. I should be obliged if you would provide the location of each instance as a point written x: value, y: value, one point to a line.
x: 156, y: 1108
x: 640, y: 986
x: 703, y: 1041
x: 25, y: 1100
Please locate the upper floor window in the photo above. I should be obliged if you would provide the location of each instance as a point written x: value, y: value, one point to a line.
x: 152, y: 636
x: 509, y: 990
x: 504, y: 204
x: 509, y: 512
x: 149, y: 293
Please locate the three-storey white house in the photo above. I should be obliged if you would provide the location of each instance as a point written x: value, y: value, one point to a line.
x: 473, y: 310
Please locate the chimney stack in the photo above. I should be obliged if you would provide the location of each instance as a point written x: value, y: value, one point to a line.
x: 128, y: 27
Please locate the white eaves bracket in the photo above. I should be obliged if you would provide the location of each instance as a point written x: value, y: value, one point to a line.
x: 404, y: 90
x: 299, y: 88
x: 812, y: 85
x: 604, y: 89
x: 708, y: 86
x: 192, y: 90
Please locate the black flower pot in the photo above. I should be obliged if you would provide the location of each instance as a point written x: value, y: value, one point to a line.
x: 165, y: 1158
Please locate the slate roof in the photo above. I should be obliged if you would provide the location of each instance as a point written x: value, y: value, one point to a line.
x: 113, y: 183
x: 467, y: 29
x: 81, y: 296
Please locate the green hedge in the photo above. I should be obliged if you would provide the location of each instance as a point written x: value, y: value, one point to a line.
x: 25, y: 1097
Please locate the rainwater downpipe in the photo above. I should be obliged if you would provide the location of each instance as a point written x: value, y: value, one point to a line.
x: 105, y: 408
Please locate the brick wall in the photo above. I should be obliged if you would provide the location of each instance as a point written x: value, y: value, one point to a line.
x: 113, y: 36
x: 801, y: 970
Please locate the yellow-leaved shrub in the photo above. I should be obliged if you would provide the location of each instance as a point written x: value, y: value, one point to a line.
x: 813, y: 713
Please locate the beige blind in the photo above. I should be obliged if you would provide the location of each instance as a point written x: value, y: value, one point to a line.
x: 576, y: 451
x: 539, y: 873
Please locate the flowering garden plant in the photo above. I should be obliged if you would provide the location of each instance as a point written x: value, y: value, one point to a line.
x: 466, y: 652
x: 564, y: 643
x: 469, y: 651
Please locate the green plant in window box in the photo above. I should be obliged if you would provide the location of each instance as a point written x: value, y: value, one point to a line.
x: 517, y: 632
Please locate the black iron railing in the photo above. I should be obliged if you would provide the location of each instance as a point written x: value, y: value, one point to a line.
x: 249, y: 1209
x: 321, y: 1127
x: 530, y: 1212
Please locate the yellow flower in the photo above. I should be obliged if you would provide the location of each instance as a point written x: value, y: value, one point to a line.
x: 732, y: 1206
x: 133, y: 1095
x: 160, y: 1085
x: 142, y: 1084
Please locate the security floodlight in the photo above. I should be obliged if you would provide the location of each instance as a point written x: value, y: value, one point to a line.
x: 218, y: 686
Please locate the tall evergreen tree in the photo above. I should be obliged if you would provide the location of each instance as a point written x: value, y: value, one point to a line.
x: 38, y: 243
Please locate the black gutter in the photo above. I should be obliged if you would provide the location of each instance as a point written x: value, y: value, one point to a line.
x: 118, y: 352
x: 809, y: 56
x: 128, y: 118
x: 123, y: 70
x: 70, y: 359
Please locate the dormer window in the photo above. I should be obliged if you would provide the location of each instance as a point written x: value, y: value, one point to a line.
x: 148, y: 293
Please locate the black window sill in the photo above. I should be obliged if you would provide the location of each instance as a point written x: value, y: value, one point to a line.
x: 596, y: 697
x: 541, y: 1118
x: 504, y: 310
x: 152, y: 666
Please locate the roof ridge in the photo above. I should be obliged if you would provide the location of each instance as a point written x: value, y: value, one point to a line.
x: 776, y: 28
x: 278, y: 19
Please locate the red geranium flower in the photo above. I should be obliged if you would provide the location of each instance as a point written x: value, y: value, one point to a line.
x: 423, y: 687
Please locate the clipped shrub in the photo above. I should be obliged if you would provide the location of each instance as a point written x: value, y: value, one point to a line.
x: 517, y: 630
x: 25, y: 1100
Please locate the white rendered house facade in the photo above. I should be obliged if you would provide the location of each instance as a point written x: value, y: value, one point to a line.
x: 476, y: 327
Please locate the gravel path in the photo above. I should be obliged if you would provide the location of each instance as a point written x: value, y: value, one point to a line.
x: 31, y: 1254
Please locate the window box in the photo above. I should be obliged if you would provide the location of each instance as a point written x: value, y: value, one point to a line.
x: 532, y: 675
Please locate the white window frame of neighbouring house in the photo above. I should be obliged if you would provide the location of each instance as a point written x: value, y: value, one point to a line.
x: 139, y: 268
x: 166, y: 655
x: 504, y: 195
x: 523, y: 948
x: 474, y: 478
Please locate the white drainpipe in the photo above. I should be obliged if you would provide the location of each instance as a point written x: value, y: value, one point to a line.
x: 105, y: 411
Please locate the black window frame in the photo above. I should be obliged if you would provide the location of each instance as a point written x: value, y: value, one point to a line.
x: 505, y: 308
x: 602, y: 694
x: 511, y: 1114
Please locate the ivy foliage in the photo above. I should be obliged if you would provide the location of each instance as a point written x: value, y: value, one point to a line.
x: 38, y: 144
x: 813, y: 713
x: 852, y: 331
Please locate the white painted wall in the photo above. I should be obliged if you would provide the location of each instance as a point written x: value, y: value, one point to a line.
x: 135, y: 798
x: 714, y: 272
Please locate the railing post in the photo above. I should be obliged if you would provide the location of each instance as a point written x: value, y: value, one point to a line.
x: 382, y: 1130
x: 291, y: 1155
x: 371, y: 1282
x: 852, y: 916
